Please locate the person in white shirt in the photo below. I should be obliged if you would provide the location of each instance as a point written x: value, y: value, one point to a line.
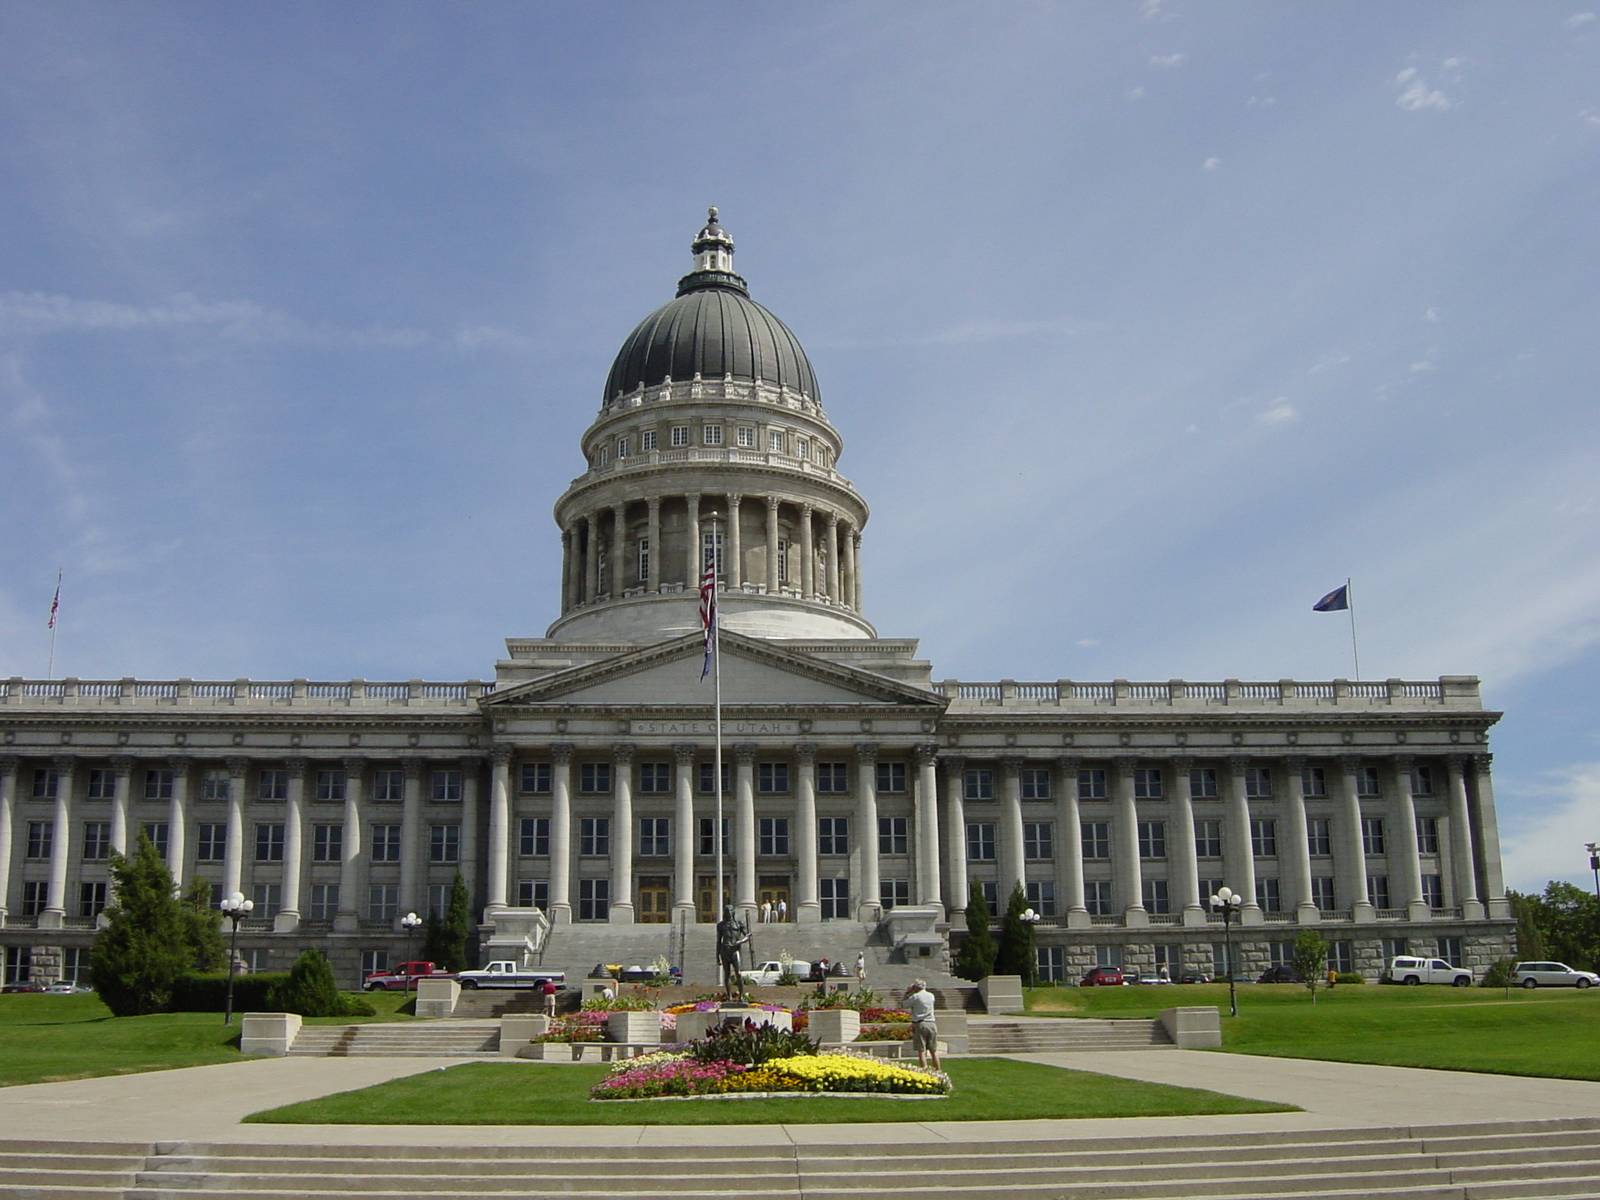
x: 924, y: 1030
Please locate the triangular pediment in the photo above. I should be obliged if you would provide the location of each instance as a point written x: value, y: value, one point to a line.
x: 755, y: 673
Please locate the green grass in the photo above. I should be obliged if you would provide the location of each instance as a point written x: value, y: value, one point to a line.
x: 987, y: 1089
x: 1542, y: 1033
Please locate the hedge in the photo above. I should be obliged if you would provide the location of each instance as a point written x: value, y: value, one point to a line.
x: 209, y: 992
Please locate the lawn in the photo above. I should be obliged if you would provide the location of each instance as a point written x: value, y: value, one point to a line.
x: 1543, y: 1032
x: 525, y: 1093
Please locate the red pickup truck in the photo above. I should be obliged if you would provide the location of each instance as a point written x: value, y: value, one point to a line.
x: 402, y: 977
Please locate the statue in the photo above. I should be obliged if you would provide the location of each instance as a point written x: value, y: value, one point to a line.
x: 731, y: 935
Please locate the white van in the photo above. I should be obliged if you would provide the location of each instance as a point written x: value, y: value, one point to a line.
x: 1406, y: 969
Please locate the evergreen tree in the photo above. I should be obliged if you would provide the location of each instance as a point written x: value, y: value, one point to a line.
x: 1310, y: 958
x: 975, y: 959
x: 310, y: 989
x: 458, y: 926
x: 1530, y: 936
x: 145, y: 944
x: 203, y: 929
x: 1016, y: 955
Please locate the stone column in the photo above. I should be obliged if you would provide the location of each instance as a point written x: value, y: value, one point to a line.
x: 808, y: 557
x: 847, y: 589
x: 1350, y: 859
x: 1295, y: 856
x: 1494, y: 888
x: 568, y: 540
x: 772, y: 545
x: 177, y: 808
x: 470, y: 769
x: 561, y: 833
x: 619, y: 550
x: 744, y: 833
x: 1239, y: 859
x: 591, y: 558
x: 955, y: 831
x: 55, y: 909
x: 1125, y: 844
x: 692, y: 566
x: 652, y: 581
x: 870, y: 907
x: 855, y: 571
x: 8, y: 801
x: 833, y: 557
x: 734, y: 567
x: 621, y: 909
x: 1012, y: 870
x: 499, y: 894
x: 411, y: 839
x: 352, y: 851
x: 119, y: 803
x: 1180, y: 846
x: 1405, y: 862
x: 288, y: 919
x: 928, y: 889
x: 1069, y: 843
x: 1463, y: 874
x: 683, y: 836
x: 808, y: 898
x: 233, y: 845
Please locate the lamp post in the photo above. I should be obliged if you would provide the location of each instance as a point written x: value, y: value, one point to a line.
x: 1030, y: 919
x: 236, y: 908
x: 1228, y: 902
x: 1594, y: 864
x: 410, y: 922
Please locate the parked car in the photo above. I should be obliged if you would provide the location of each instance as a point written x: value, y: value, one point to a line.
x: 66, y: 989
x: 1282, y: 973
x: 1411, y: 970
x: 1552, y: 974
x: 638, y: 974
x: 1103, y: 977
x: 1194, y: 977
x: 27, y: 986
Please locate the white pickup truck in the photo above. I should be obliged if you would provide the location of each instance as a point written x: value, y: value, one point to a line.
x: 767, y: 973
x: 1413, y: 970
x: 505, y: 973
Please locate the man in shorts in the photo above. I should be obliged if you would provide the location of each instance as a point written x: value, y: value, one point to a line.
x: 549, y: 989
x: 924, y: 1032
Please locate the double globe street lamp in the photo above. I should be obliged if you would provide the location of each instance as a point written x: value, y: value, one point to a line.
x: 236, y: 908
x: 409, y: 922
x: 1228, y: 902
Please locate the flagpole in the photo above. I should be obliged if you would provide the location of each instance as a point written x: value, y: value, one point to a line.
x: 55, y: 607
x: 1350, y: 599
x: 716, y: 675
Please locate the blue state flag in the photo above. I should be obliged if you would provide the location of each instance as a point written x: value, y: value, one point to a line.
x: 1335, y: 601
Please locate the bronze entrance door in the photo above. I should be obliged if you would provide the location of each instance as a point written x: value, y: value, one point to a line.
x: 655, y: 899
x: 772, y: 889
x: 705, y: 892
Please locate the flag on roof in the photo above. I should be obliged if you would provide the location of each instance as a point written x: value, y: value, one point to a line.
x: 1335, y: 601
x: 708, y: 613
x: 55, y: 603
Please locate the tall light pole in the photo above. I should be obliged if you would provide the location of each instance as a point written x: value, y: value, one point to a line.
x: 409, y: 922
x: 1228, y: 902
x: 236, y: 908
x: 1594, y: 865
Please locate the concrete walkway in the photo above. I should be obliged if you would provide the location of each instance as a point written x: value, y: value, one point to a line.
x: 206, y: 1104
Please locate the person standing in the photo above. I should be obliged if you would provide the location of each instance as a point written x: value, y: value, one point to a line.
x: 549, y: 990
x: 924, y: 1030
x: 783, y: 910
x: 766, y: 912
x: 861, y: 968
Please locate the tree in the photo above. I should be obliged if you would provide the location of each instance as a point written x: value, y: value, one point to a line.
x: 1530, y: 938
x: 145, y: 944
x: 310, y: 989
x: 447, y: 940
x: 1016, y: 955
x: 975, y: 959
x: 1310, y: 958
x: 203, y: 929
x: 1563, y: 924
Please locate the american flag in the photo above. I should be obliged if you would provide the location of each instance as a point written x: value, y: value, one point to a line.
x: 55, y: 603
x: 708, y: 613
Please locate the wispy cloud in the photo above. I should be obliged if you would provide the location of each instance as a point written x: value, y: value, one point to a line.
x: 1136, y: 92
x: 1589, y: 117
x: 1211, y: 164
x: 1415, y: 95
x: 1168, y: 61
x: 1328, y: 362
x: 1279, y: 412
x: 1088, y: 643
x: 1550, y: 823
x: 1579, y: 19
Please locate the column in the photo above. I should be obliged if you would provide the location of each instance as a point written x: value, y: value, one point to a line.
x: 691, y: 565
x: 621, y: 834
x: 566, y: 568
x: 1463, y: 876
x: 1295, y: 855
x: 744, y: 833
x: 855, y: 571
x: 352, y: 851
x: 1494, y: 888
x: 591, y: 558
x: 1350, y: 858
x: 288, y: 919
x: 498, y: 895
x: 1405, y: 863
x: 619, y: 550
x: 119, y: 803
x: 955, y: 831
x: 561, y: 833
x: 832, y: 547
x: 1185, y: 879
x: 870, y: 906
x: 411, y: 847
x: 1125, y: 844
x: 1069, y: 843
x: 735, y: 564
x: 683, y: 836
x: 652, y: 580
x: 772, y: 545
x: 928, y: 890
x: 60, y: 846
x: 808, y: 898
x: 1239, y: 862
x: 808, y: 557
x: 177, y: 807
x: 233, y: 852
x: 1010, y: 850
x: 470, y: 769
x: 8, y: 801
x: 847, y: 588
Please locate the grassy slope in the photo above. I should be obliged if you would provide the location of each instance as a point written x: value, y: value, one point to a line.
x: 539, y: 1094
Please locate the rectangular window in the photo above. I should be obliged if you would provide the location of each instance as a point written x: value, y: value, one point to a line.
x: 272, y: 785
x: 1372, y: 835
x: 893, y: 835
x: 438, y: 899
x: 783, y: 560
x: 892, y: 892
x: 76, y: 966
x: 1091, y: 783
x: 1152, y: 839
x: 324, y: 901
x: 35, y: 895
x: 1422, y: 782
x: 1280, y: 954
x: 102, y: 784
x: 1322, y: 892
x: 534, y: 779
x: 801, y: 447
x: 1263, y: 837
x: 211, y: 842
x: 594, y: 899
x: 156, y: 831
x: 533, y: 840
x: 1096, y: 839
x: 1319, y: 837
x: 978, y: 783
x: 330, y: 786
x: 1208, y: 889
x: 708, y: 847
x: 772, y: 778
x: 647, y: 443
x: 446, y: 786
x: 775, y: 441
x: 1147, y: 783
x: 643, y: 564
x: 891, y: 777
x: 708, y: 769
x: 835, y: 896
x: 594, y: 779
x: 991, y: 897
x: 533, y: 893
x: 1394, y: 948
x: 1036, y: 783
x: 1097, y: 897
x: 1041, y: 895
x: 388, y: 785
x: 268, y: 899
x: 1208, y: 839
x: 214, y: 786
x: 91, y: 898
x: 1341, y: 957
x: 712, y: 435
x: 746, y: 437
x: 96, y: 841
x: 374, y: 961
x: 711, y: 550
x: 1267, y: 895
x: 1369, y: 784
x: 158, y: 783
x: 1314, y: 782
x: 1203, y: 783
x: 385, y: 843
x: 980, y: 841
x: 655, y: 778
x: 444, y: 843
x: 269, y: 841
x: 1038, y: 841
x: 1108, y: 956
x: 655, y: 837
x: 772, y: 837
x: 383, y: 902
x: 594, y: 836
x: 1378, y: 891
x: 833, y: 779
x: 1433, y: 891
x: 680, y: 435
x: 1427, y: 835
x: 1155, y: 896
x: 833, y: 835
x: 46, y: 782
x: 327, y: 843
x: 1258, y: 782
x: 624, y: 447
x: 1450, y: 950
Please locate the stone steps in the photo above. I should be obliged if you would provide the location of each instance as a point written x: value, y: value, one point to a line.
x: 1047, y: 1037
x: 448, y: 1038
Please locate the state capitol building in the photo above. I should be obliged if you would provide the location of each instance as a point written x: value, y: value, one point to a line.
x: 859, y: 790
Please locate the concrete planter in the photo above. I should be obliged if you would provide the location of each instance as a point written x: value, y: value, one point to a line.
x: 832, y: 1025
x: 634, y: 1026
x: 268, y: 1033
x: 518, y: 1030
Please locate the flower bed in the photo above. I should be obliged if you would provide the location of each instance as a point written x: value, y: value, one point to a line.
x: 885, y: 1033
x: 675, y: 1074
x: 580, y: 1027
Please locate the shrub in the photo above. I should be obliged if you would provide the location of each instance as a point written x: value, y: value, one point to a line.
x: 746, y: 1042
x: 1498, y: 975
x: 209, y: 992
x: 309, y: 990
x: 1355, y: 977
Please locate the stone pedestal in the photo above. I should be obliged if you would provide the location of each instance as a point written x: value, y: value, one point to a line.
x: 1194, y: 1028
x: 268, y: 1033
x: 1001, y: 994
x: 518, y: 1031
x: 832, y: 1025
x: 437, y: 997
x: 634, y: 1026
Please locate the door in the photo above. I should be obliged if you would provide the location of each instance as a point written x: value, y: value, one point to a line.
x: 706, y: 897
x: 655, y: 900
x: 772, y: 889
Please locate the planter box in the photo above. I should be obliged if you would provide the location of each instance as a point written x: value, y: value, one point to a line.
x: 518, y: 1030
x: 642, y: 1026
x: 834, y: 1025
x: 268, y: 1033
x: 437, y: 997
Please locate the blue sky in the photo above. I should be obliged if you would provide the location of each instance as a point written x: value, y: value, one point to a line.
x: 1145, y: 325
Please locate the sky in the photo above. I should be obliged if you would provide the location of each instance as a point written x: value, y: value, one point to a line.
x: 1145, y: 325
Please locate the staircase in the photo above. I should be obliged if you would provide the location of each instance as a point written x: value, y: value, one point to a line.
x: 460, y: 1039
x: 1552, y: 1160
x: 1063, y: 1036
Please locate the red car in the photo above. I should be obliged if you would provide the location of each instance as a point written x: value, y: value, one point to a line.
x: 1103, y: 977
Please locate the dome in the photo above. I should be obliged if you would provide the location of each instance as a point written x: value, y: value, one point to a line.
x: 711, y: 329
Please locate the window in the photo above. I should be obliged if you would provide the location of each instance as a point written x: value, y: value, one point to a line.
x: 1091, y: 783
x: 1208, y: 889
x: 1097, y: 897
x: 594, y: 899
x: 1314, y: 782
x: 1433, y: 891
x: 745, y: 437
x: 216, y: 895
x: 268, y: 899
x: 75, y: 964
x: 647, y: 443
x: 1341, y: 957
x: 330, y: 786
x: 624, y: 447
x: 1422, y: 784
x: 1394, y: 948
x: 712, y: 435
x: 835, y: 896
x: 891, y: 777
x: 438, y: 899
x: 444, y: 843
x: 1450, y: 950
x: 1319, y: 836
x: 1108, y: 956
x: 832, y: 778
x: 643, y: 559
x: 533, y: 893
x: 269, y: 842
x: 1036, y: 783
x: 158, y: 783
x: 156, y: 831
x: 1368, y: 784
x: 383, y: 902
x: 604, y: 456
x: 1052, y: 962
x: 272, y: 785
x: 594, y: 836
x: 801, y: 447
x: 776, y: 440
x: 772, y: 836
x: 978, y: 783
x: 91, y: 898
x: 991, y: 897
x: 324, y: 901
x: 1280, y: 954
x: 833, y: 835
x: 1152, y: 839
x: 1263, y: 837
x: 1267, y: 895
x: 1322, y: 892
x: 1155, y: 896
x: 385, y: 843
x: 1096, y: 839
x: 1203, y: 783
x: 1041, y: 895
x: 327, y: 843
x: 388, y: 786
x: 214, y: 786
x: 680, y: 435
x: 711, y: 550
x: 533, y: 838
x: 447, y: 787
x: 594, y: 778
x: 1038, y: 841
x: 783, y: 560
x: 102, y: 784
x: 1208, y: 839
x: 1372, y: 835
x: 654, y: 839
x: 1427, y: 835
x: 46, y: 781
x: 35, y: 896
x: 892, y: 892
x: 707, y: 770
x: 96, y: 841
x: 655, y: 778
x: 980, y: 841
x: 1147, y: 783
x: 211, y: 842
x: 1170, y: 959
x: 1220, y: 966
x: 893, y: 835
x: 534, y: 779
x: 707, y: 844
x: 373, y: 961
x: 1378, y: 892
x: 1257, y: 782
x: 772, y: 778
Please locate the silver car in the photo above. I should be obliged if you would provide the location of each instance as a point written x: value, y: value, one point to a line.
x: 1552, y: 974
